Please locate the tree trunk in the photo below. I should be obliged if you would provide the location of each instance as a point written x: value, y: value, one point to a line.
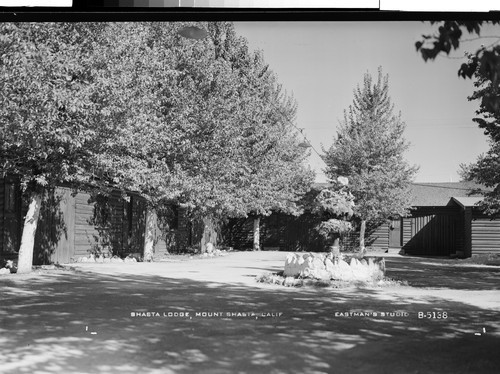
x: 149, y: 235
x: 335, y: 248
x: 25, y: 260
x: 256, y: 234
x: 362, y: 230
x: 209, y: 233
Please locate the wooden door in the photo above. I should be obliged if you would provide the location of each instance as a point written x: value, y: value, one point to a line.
x: 395, y: 234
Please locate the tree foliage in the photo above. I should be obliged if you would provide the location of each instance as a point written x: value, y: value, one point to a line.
x: 137, y: 107
x: 336, y: 206
x: 47, y: 132
x: 484, y: 67
x: 336, y: 201
x: 486, y: 169
x: 251, y: 162
x: 369, y: 150
x: 485, y: 61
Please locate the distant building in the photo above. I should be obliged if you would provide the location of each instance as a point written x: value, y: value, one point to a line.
x: 443, y: 221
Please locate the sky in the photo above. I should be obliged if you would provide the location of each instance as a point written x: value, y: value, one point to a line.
x: 321, y: 63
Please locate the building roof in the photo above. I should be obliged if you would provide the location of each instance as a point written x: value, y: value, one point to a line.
x: 439, y: 194
x: 467, y: 201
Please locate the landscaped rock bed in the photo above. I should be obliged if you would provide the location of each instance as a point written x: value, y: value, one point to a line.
x: 137, y: 257
x: 327, y: 266
x: 326, y: 269
x: 106, y: 259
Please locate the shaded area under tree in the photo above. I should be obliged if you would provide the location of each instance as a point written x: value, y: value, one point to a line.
x: 48, y: 323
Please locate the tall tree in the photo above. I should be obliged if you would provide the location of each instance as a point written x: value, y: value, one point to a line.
x: 369, y: 150
x: 245, y: 140
x: 45, y: 132
x: 484, y: 66
x: 335, y: 206
x: 134, y: 106
x: 486, y: 169
x: 79, y: 104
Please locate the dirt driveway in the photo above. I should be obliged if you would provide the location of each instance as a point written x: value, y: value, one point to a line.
x: 210, y: 316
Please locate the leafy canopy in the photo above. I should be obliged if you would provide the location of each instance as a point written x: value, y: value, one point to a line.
x: 135, y: 106
x: 369, y: 150
x: 335, y: 206
x: 484, y: 67
x: 47, y: 131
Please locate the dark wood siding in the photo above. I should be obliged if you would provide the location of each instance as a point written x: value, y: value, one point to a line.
x: 167, y: 223
x: 86, y: 234
x: 349, y: 241
x: 293, y: 233
x: 238, y: 233
x: 183, y: 230
x: 485, y: 235
x: 72, y: 224
x: 2, y: 213
x: 378, y: 237
x: 11, y: 215
x: 467, y: 226
x: 115, y: 224
x: 278, y: 231
x: 433, y: 231
x: 137, y: 230
x: 108, y: 223
x: 54, y: 239
x: 406, y: 230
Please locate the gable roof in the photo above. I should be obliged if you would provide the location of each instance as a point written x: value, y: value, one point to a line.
x: 439, y: 194
x: 467, y: 201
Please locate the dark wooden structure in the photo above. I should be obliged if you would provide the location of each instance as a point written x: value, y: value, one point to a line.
x: 278, y: 231
x: 10, y: 215
x: 481, y: 233
x: 72, y: 224
x: 443, y: 221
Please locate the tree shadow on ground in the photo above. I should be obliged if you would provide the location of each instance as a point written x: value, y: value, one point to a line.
x: 443, y: 273
x: 47, y: 324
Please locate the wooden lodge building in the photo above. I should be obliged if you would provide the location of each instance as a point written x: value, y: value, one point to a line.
x: 443, y: 221
x: 73, y: 225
